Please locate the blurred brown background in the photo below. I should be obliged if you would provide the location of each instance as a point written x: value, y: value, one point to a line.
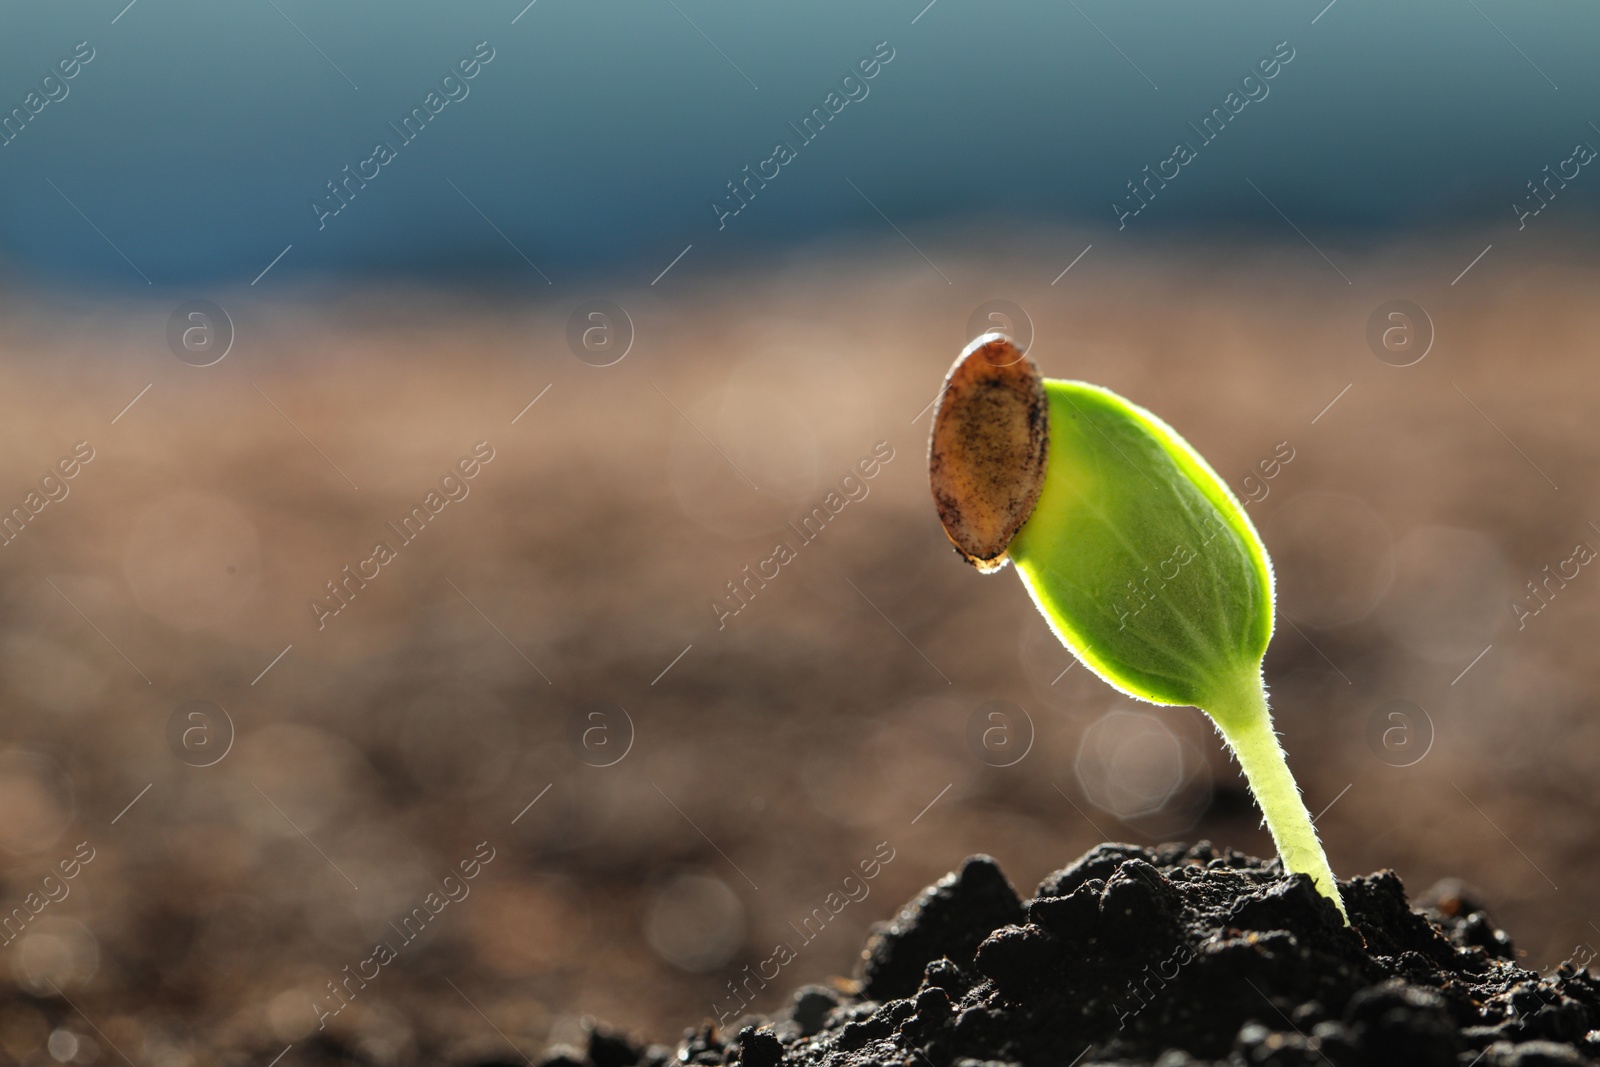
x: 832, y: 714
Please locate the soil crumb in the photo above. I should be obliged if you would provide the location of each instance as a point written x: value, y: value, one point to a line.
x: 1173, y: 957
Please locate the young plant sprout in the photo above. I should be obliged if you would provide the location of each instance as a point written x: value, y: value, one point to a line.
x: 1135, y: 552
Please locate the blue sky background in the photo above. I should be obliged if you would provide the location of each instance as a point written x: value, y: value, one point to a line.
x: 598, y: 136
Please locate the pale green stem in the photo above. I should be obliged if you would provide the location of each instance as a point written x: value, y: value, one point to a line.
x: 1246, y: 724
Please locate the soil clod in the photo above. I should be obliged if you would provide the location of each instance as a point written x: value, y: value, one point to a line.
x: 1176, y: 957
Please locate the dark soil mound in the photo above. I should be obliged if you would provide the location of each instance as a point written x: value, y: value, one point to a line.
x: 1179, y: 956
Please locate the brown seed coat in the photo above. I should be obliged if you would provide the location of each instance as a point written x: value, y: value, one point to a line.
x: 987, y: 453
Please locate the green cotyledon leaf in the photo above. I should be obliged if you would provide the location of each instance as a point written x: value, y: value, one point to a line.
x: 1138, y: 555
x: 1135, y: 552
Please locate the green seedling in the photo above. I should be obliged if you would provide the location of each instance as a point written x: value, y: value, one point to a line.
x: 1136, y: 553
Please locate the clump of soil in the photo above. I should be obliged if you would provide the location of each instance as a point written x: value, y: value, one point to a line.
x: 1175, y: 957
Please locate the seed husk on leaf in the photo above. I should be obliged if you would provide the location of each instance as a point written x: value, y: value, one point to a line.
x: 986, y: 460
